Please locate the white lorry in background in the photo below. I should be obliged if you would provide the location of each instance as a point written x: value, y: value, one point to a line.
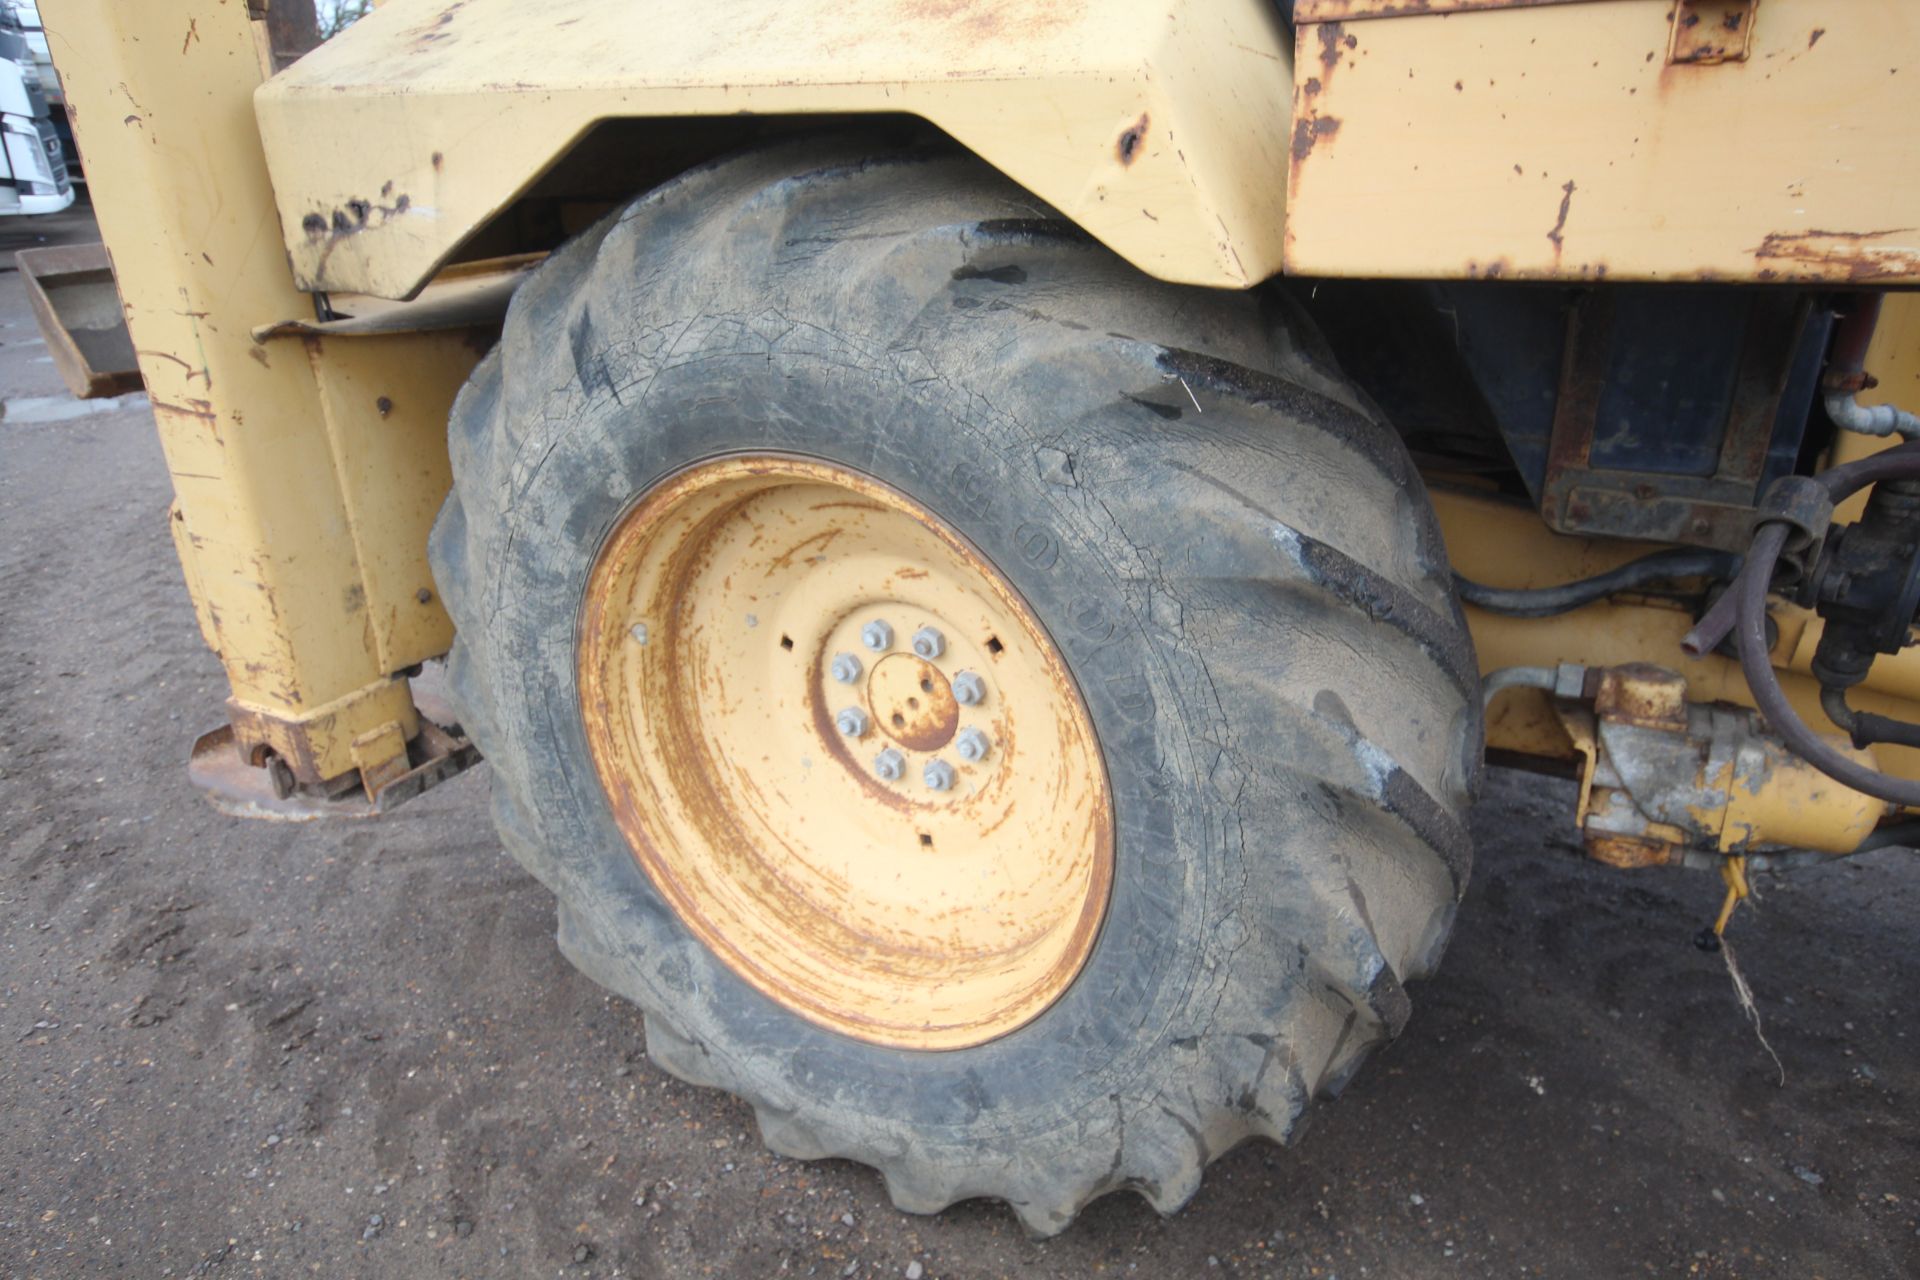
x: 33, y: 164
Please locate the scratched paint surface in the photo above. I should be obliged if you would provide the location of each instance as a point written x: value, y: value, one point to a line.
x: 1560, y: 141
x: 1159, y: 128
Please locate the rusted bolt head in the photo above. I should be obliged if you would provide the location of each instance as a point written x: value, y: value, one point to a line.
x: 424, y: 596
x: 929, y: 643
x: 972, y: 745
x: 969, y: 690
x: 877, y: 635
x: 938, y: 775
x: 845, y: 668
x: 853, y: 722
x: 889, y: 765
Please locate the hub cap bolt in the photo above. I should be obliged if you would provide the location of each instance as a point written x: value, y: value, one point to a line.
x: 845, y: 668
x: 972, y: 745
x: 938, y: 775
x: 877, y: 635
x: 852, y: 721
x: 929, y: 643
x: 969, y: 690
x: 889, y: 764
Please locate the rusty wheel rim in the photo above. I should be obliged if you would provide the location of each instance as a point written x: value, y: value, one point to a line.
x: 907, y: 838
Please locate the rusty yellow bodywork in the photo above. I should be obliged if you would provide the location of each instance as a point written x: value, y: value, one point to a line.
x: 305, y: 474
x: 1558, y: 140
x: 1159, y: 128
x: 1589, y: 141
x: 1203, y: 142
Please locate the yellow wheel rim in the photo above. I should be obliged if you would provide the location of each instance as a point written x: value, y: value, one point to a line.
x: 845, y: 752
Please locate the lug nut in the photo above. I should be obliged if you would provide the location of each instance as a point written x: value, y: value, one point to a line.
x: 877, y: 635
x: 938, y: 775
x: 845, y: 668
x: 889, y: 765
x: 853, y: 722
x: 929, y: 643
x: 972, y: 745
x: 969, y: 690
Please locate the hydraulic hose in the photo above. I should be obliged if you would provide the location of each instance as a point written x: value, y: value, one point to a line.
x: 1498, y: 682
x: 1870, y: 420
x: 1743, y: 611
x: 1757, y: 664
x: 1895, y: 835
x: 1864, y: 727
x: 1841, y: 482
x: 1546, y: 602
x: 1846, y: 377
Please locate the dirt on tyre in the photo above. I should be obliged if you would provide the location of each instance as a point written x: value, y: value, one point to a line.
x: 1113, y: 844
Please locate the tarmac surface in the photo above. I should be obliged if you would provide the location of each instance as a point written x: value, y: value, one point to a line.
x: 351, y: 1049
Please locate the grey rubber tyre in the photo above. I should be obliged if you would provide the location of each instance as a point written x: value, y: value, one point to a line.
x: 1234, y: 554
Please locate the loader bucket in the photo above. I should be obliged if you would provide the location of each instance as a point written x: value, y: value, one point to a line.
x: 78, y: 307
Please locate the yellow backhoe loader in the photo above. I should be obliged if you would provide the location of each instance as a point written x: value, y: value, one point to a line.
x: 986, y: 543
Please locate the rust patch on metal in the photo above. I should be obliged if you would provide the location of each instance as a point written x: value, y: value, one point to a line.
x: 1131, y: 140
x: 1305, y: 11
x: 1629, y: 853
x: 1714, y: 510
x: 1335, y: 42
x: 1310, y: 128
x: 912, y: 702
x: 1707, y: 32
x: 1644, y: 695
x: 1495, y: 269
x: 240, y: 781
x: 1859, y: 256
x: 1308, y: 131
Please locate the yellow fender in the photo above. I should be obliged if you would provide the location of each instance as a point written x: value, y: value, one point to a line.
x: 1162, y: 129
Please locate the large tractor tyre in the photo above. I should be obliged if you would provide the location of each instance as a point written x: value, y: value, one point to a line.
x: 1005, y: 718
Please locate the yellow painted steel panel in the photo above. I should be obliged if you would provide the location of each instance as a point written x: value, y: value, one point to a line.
x: 161, y: 96
x: 183, y: 203
x: 1161, y: 129
x: 385, y: 403
x: 1336, y: 10
x: 1556, y: 141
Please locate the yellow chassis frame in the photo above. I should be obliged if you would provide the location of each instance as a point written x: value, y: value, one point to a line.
x: 308, y: 464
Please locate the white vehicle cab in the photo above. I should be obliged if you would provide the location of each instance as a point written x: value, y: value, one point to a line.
x: 33, y: 166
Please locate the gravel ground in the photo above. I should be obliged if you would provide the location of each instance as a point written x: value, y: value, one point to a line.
x: 351, y: 1049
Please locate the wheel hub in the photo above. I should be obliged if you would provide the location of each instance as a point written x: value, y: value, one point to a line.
x: 845, y: 751
x: 912, y: 702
